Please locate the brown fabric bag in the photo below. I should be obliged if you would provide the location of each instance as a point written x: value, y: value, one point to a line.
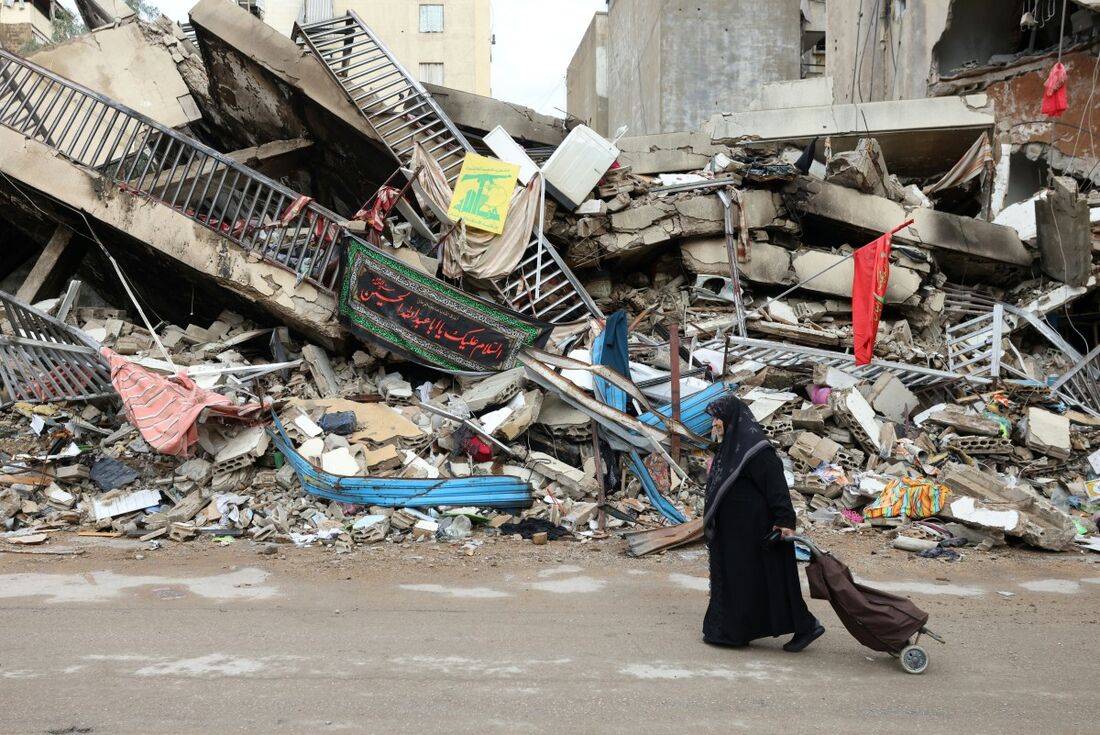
x: 878, y: 620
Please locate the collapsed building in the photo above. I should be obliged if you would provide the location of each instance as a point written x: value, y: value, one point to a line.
x: 234, y: 262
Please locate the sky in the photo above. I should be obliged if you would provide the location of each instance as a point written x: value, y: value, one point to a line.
x: 535, y: 41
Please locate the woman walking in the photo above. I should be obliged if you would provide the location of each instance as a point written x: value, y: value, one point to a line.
x: 754, y: 587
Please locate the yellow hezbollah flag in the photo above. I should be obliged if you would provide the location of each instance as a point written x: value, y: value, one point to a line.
x: 483, y: 192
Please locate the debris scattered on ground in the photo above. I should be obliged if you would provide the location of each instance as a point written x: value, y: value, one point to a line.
x: 379, y: 373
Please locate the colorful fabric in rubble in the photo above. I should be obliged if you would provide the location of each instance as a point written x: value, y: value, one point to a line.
x: 375, y: 211
x: 166, y: 410
x: 906, y: 497
x: 405, y: 311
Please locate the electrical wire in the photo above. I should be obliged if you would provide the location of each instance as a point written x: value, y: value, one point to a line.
x: 126, y: 285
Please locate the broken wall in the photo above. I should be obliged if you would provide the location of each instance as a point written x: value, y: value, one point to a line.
x: 672, y: 66
x: 121, y: 64
x: 586, y: 78
x: 1067, y: 143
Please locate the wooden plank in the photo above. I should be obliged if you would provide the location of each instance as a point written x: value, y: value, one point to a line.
x: 662, y: 539
x: 33, y: 479
x: 48, y: 268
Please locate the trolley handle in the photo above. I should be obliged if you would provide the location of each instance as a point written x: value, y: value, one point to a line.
x: 815, y: 550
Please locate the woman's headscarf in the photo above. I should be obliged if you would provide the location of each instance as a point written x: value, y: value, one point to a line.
x: 742, y: 440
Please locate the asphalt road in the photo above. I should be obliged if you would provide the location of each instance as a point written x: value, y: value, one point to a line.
x: 221, y: 641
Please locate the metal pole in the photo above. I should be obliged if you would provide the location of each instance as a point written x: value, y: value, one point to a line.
x: 674, y: 353
x: 726, y: 197
x: 601, y: 478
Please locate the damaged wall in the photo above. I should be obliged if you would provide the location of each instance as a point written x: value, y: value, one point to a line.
x: 586, y: 78
x: 121, y: 64
x: 672, y: 66
x: 1015, y: 92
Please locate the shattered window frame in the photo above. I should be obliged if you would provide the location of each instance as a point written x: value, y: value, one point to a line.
x: 431, y: 18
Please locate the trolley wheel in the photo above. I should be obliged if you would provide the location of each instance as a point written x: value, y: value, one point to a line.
x: 914, y: 659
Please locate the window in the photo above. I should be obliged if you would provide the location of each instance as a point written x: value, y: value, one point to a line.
x: 432, y: 73
x: 431, y: 18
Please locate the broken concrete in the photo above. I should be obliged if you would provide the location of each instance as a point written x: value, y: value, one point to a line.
x: 121, y: 64
x: 142, y: 225
x: 770, y: 264
x: 1064, y: 233
x: 667, y: 152
x: 962, y: 243
x: 902, y: 287
x: 919, y: 137
x: 479, y: 114
x: 1048, y: 433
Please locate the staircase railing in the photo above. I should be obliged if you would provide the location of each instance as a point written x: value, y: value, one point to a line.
x: 260, y: 215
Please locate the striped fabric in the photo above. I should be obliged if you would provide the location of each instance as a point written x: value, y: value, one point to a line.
x: 977, y: 161
x: 906, y: 497
x: 166, y: 410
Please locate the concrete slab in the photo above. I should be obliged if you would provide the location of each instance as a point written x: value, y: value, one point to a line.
x: 123, y: 65
x: 481, y: 114
x: 919, y: 137
x: 199, y: 254
x: 708, y: 256
x: 975, y: 239
x: 667, y: 152
x: 902, y: 287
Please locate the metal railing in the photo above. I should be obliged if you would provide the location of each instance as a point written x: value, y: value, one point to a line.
x: 142, y: 156
x: 43, y: 359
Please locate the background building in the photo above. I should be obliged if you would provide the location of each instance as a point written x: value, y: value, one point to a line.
x: 445, y: 42
x: 671, y: 66
x: 25, y: 22
x: 586, y: 79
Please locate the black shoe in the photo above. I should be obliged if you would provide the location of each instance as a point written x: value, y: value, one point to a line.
x: 801, y: 640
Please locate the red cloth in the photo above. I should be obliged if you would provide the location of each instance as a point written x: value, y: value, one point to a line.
x: 869, y: 280
x: 1054, y: 91
x: 374, y: 214
x: 165, y: 410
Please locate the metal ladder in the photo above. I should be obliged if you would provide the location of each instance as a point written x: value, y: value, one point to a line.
x: 544, y: 287
x: 400, y: 111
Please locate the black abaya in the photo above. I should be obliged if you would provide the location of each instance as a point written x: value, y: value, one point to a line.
x: 754, y: 590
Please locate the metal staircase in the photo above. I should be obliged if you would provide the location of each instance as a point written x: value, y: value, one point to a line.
x: 402, y: 113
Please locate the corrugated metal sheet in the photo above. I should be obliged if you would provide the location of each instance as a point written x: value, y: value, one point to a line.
x: 391, y: 492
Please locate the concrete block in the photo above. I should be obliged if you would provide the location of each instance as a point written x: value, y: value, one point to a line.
x: 813, y: 449
x: 892, y: 399
x: 1064, y: 233
x: 494, y: 390
x: 856, y: 414
x: 667, y: 152
x: 770, y: 264
x: 903, y: 285
x: 1048, y: 433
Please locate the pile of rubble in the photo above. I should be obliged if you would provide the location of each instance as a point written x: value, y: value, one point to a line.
x: 371, y: 394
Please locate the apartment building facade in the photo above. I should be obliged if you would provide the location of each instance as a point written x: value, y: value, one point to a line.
x: 445, y: 42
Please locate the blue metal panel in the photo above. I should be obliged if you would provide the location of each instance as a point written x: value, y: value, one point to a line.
x: 391, y: 492
x: 693, y: 409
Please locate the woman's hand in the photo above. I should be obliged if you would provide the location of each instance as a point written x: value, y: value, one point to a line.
x: 784, y: 532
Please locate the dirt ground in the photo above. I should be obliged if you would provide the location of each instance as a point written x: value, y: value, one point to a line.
x: 517, y: 638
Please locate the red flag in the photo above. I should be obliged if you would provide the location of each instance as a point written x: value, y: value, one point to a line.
x: 869, y: 279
